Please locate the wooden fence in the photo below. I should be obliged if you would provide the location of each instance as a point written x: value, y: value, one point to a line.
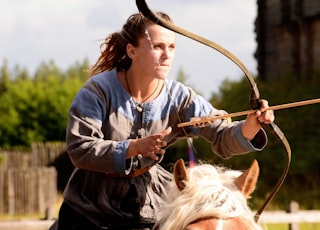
x: 27, y: 184
x: 293, y: 216
x: 40, y: 155
x: 28, y: 191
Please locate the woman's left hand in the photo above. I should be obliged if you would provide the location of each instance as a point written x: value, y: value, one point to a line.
x: 252, y: 124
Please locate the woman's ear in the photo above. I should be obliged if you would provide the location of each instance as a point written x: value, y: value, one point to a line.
x: 130, y: 50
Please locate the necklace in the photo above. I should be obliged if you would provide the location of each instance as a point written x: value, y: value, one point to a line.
x: 139, y: 106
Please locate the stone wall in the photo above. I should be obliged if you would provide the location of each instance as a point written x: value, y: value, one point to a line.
x: 288, y: 38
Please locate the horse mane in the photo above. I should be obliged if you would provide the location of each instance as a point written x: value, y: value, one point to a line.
x: 209, y: 192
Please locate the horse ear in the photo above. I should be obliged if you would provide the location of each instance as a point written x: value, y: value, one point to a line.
x: 180, y: 174
x: 246, y: 182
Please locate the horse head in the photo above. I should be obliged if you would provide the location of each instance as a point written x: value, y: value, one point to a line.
x: 205, y: 197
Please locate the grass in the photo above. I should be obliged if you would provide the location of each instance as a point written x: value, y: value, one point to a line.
x: 303, y: 226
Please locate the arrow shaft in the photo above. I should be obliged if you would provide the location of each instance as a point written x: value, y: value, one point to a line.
x: 202, y: 121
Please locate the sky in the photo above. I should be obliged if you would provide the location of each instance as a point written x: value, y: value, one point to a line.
x: 67, y: 31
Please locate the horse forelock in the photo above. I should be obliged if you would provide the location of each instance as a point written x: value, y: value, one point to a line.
x: 210, y: 192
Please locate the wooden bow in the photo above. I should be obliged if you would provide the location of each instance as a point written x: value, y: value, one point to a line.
x: 255, y: 95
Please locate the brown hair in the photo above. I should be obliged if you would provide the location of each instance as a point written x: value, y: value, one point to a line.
x: 113, y: 49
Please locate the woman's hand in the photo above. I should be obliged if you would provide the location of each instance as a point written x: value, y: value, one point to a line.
x: 252, y: 125
x: 149, y: 146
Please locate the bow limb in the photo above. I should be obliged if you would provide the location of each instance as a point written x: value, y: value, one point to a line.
x: 255, y: 94
x: 145, y: 10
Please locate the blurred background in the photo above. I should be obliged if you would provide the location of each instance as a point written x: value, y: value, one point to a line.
x: 46, y: 46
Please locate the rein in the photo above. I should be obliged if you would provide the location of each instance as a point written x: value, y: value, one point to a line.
x: 255, y: 94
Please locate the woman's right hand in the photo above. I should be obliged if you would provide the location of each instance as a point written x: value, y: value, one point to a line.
x: 149, y: 146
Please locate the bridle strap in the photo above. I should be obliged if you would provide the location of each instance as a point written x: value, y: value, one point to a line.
x: 254, y: 98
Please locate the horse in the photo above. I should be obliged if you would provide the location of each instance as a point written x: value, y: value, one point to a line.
x: 206, y: 197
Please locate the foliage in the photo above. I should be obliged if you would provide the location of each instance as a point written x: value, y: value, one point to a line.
x: 34, y: 109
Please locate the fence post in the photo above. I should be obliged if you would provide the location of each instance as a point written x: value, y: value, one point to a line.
x: 11, y: 193
x: 293, y: 207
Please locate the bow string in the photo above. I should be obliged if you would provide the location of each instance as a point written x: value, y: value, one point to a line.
x: 254, y: 95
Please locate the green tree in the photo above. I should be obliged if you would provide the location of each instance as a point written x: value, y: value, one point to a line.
x: 4, y: 77
x: 35, y: 108
x: 299, y: 126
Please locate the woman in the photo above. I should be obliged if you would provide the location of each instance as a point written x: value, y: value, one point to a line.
x: 120, y: 123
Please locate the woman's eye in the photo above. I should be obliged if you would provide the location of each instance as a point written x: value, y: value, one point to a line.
x: 172, y: 47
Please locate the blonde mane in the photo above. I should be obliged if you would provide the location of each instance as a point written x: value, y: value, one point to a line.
x: 209, y: 192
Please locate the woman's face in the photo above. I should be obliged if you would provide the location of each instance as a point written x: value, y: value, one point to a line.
x: 154, y: 55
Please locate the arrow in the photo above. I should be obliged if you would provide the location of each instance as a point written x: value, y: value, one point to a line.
x: 203, y: 121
